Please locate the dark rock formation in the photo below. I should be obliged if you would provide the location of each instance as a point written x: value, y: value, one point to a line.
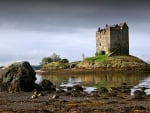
x: 77, y: 88
x: 103, y: 90
x: 47, y: 85
x: 16, y: 77
x: 139, y: 94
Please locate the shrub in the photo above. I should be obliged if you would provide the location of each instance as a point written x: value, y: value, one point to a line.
x: 64, y: 61
x: 46, y: 60
x: 73, y: 65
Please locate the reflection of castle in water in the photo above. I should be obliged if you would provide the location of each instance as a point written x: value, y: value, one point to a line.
x: 113, y: 79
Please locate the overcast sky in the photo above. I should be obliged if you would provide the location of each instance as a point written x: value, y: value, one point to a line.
x: 33, y: 29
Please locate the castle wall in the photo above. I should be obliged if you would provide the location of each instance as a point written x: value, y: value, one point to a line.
x: 103, y: 41
x: 115, y: 44
x: 125, y: 41
x: 113, y: 39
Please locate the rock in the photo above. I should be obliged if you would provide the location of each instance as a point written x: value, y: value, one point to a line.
x: 38, y: 87
x: 40, y: 94
x: 18, y: 76
x: 55, y: 97
x: 112, y: 94
x: 69, y: 88
x: 76, y: 91
x: 94, y: 94
x: 75, y: 94
x: 139, y: 92
x: 63, y: 92
x: 138, y: 108
x: 138, y: 95
x: 125, y: 90
x: 47, y: 85
x: 77, y: 88
x: 35, y: 92
x: 34, y: 96
x: 2, y: 86
x: 103, y: 90
x: 124, y: 84
x: 143, y: 88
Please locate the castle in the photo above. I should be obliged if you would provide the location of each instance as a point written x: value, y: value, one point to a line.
x: 113, y: 40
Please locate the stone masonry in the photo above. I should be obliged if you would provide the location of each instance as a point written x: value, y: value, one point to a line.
x: 113, y: 40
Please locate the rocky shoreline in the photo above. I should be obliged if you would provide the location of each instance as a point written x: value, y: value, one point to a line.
x: 76, y: 100
x: 113, y: 64
x: 117, y: 63
x: 16, y: 95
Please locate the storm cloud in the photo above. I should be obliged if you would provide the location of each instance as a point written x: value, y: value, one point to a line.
x: 32, y: 29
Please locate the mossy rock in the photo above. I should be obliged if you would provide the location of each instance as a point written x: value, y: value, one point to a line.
x: 18, y: 76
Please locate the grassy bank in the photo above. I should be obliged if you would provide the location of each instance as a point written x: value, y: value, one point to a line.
x: 114, y: 63
x: 99, y: 63
x: 101, y: 59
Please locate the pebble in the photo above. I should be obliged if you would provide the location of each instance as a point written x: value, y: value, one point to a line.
x: 34, y: 96
x: 40, y: 94
x: 55, y: 97
x: 35, y: 92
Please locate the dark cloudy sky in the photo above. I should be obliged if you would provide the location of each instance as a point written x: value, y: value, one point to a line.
x: 33, y: 29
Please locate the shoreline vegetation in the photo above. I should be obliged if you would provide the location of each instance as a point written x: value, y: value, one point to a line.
x: 100, y: 63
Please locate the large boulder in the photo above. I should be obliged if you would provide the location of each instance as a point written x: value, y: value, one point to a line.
x: 16, y: 77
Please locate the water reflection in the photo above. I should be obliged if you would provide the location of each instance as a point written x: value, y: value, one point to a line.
x: 38, y: 78
x: 71, y: 82
x: 112, y: 79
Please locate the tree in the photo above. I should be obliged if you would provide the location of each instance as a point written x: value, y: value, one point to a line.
x: 46, y: 60
x: 55, y: 57
x: 64, y: 60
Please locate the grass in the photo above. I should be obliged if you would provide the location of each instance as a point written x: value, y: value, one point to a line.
x: 101, y: 59
x: 101, y: 84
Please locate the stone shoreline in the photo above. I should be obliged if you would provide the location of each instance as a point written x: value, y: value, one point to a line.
x: 113, y: 64
x: 75, y: 100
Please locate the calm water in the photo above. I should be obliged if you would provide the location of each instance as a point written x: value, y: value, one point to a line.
x: 110, y: 79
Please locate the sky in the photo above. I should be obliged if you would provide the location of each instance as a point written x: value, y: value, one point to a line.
x: 33, y: 29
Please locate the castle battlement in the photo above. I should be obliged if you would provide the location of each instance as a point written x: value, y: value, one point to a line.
x: 113, y: 39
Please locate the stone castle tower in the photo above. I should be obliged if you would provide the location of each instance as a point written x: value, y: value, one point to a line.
x: 113, y: 40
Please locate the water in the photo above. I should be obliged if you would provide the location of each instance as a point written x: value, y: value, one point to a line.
x: 136, y: 80
x: 143, y: 83
x: 38, y: 79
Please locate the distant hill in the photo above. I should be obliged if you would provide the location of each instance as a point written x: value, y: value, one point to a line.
x: 1, y: 67
x: 36, y: 67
